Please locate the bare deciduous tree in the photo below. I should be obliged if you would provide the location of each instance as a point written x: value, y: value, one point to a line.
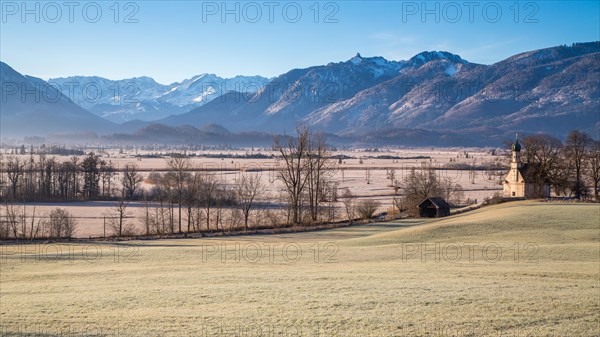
x: 575, y: 151
x: 319, y: 170
x: 451, y: 191
x: 391, y: 176
x: 306, y: 170
x: 421, y: 184
x: 562, y: 173
x: 366, y: 208
x: 593, y: 166
x: 348, y: 199
x: 191, y: 197
x: 178, y: 167
x: 34, y: 227
x: 12, y: 220
x: 118, y: 223
x: 542, y: 152
x: 399, y: 204
x: 61, y: 224
x: 292, y: 152
x: 147, y: 219
x: 208, y: 195
x: 248, y: 188
x: 131, y: 179
x: 14, y: 170
x: 107, y: 171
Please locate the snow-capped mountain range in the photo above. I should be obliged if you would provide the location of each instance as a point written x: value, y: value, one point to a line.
x: 434, y: 94
x: 552, y: 90
x: 144, y: 99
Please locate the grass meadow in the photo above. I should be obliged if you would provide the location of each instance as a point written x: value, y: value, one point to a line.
x: 516, y: 269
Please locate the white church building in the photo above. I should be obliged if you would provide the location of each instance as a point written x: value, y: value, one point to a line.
x: 516, y: 184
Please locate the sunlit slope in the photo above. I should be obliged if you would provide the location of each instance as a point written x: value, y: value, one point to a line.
x: 548, y: 223
x: 534, y: 270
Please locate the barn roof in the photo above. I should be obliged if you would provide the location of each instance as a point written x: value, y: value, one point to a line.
x: 439, y: 202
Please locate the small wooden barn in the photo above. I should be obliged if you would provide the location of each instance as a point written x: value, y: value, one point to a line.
x: 434, y: 207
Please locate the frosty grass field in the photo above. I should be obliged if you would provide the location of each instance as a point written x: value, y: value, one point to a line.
x: 515, y: 269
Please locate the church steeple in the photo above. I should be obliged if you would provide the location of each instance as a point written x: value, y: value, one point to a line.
x: 516, y: 153
x: 516, y: 145
x: 516, y: 184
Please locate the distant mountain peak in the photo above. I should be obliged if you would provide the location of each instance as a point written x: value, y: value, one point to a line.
x: 428, y: 56
x: 356, y: 60
x: 377, y: 60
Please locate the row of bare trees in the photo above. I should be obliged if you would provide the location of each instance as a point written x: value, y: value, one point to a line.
x: 187, y: 200
x: 180, y: 197
x: 16, y: 223
x: 306, y: 173
x: 572, y: 168
x: 47, y: 179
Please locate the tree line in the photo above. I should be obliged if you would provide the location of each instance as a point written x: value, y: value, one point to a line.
x: 48, y: 179
x: 17, y: 224
x: 183, y: 199
x: 179, y: 200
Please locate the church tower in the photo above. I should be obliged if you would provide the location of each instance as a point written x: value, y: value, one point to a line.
x: 514, y: 184
x: 515, y: 164
x: 516, y: 153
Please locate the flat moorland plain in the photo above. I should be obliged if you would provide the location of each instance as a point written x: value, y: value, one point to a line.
x: 516, y: 269
x: 365, y: 179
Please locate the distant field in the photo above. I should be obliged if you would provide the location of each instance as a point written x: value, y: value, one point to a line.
x: 516, y: 269
x: 351, y: 174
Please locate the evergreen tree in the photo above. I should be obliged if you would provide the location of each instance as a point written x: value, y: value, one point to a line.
x: 91, y: 175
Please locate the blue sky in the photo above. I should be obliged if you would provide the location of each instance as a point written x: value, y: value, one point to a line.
x: 171, y: 41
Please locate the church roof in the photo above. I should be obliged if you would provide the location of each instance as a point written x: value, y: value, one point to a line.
x: 529, y: 172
